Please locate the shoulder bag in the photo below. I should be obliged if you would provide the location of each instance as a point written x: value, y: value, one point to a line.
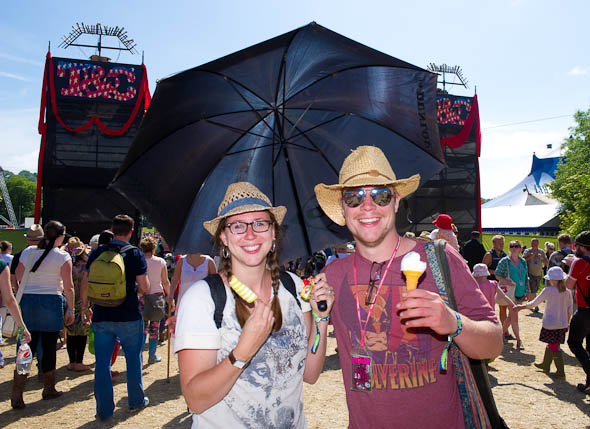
x: 477, y: 399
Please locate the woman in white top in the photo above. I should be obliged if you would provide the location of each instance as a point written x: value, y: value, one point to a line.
x: 49, y: 276
x: 190, y: 269
x: 249, y: 372
x: 6, y: 249
x: 159, y: 284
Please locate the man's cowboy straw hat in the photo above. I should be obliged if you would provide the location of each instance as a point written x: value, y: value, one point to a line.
x: 365, y: 166
x: 243, y: 197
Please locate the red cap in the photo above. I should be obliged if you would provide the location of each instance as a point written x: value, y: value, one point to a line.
x: 443, y: 221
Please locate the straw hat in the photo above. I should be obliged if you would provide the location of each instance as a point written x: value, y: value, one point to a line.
x: 365, y: 166
x: 35, y: 232
x: 75, y: 246
x: 243, y: 197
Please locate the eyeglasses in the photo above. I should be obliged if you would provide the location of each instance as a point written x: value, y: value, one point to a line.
x: 372, y: 289
x: 241, y: 227
x: 355, y: 197
x: 515, y: 246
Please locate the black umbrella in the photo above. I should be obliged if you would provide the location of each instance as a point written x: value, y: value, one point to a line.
x: 282, y: 115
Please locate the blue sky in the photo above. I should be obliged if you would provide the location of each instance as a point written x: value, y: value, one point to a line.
x: 528, y: 59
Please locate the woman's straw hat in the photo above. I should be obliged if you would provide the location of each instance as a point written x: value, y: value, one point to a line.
x: 243, y: 197
x: 365, y: 166
x: 75, y: 246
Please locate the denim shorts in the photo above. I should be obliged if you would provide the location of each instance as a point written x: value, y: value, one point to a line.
x: 43, y: 313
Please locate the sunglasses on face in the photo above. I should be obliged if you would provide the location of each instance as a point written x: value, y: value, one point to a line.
x: 355, y: 197
x: 515, y: 246
x: 241, y: 227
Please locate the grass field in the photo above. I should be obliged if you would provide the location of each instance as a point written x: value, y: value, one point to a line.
x: 525, y: 240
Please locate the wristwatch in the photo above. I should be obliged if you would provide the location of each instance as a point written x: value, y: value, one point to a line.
x: 237, y: 363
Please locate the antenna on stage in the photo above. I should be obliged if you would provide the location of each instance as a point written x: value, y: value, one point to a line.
x: 443, y: 70
x: 101, y: 31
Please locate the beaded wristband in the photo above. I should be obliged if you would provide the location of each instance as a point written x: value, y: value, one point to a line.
x: 317, y: 319
x: 445, y: 353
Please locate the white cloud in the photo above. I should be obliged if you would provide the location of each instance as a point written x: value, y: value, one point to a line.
x: 578, y: 71
x: 506, y: 157
x: 14, y: 58
x: 14, y: 76
x: 19, y: 139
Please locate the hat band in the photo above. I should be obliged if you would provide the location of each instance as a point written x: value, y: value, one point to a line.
x: 242, y: 202
x: 372, y: 174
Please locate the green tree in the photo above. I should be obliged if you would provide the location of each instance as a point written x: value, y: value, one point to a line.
x: 32, y: 177
x: 572, y: 178
x: 22, y: 195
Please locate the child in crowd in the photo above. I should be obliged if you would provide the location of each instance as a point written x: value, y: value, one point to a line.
x: 490, y: 289
x: 556, y: 318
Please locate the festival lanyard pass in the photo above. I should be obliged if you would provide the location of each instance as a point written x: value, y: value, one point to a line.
x: 362, y: 363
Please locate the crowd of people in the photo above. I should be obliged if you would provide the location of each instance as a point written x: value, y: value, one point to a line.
x: 248, y: 332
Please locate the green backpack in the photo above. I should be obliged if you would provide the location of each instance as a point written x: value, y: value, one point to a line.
x: 107, y: 285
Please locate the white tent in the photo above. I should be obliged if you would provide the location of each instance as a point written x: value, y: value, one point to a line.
x: 528, y: 206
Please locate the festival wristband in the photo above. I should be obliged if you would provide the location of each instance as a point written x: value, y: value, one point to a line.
x: 317, y: 319
x: 445, y: 353
x: 69, y: 310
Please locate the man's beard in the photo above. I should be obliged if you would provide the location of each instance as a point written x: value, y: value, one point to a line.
x: 579, y: 252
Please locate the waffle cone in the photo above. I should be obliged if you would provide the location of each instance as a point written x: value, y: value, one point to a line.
x: 412, y: 279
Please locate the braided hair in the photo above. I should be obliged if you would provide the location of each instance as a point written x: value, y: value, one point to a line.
x: 53, y: 230
x: 272, y: 262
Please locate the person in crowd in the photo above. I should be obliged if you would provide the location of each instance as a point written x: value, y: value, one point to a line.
x: 536, y: 259
x: 445, y: 230
x: 579, y: 278
x: 549, y: 249
x: 78, y: 331
x: 33, y: 235
x: 565, y: 248
x: 249, y: 372
x: 159, y: 286
x: 473, y: 251
x: 190, y: 269
x: 491, y: 259
x: 7, y: 299
x: 49, y: 282
x: 381, y: 327
x: 6, y: 249
x: 123, y: 321
x: 93, y: 243
x: 556, y: 318
x: 512, y: 273
x: 491, y: 289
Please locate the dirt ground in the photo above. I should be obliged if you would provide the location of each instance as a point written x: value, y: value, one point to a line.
x: 525, y: 396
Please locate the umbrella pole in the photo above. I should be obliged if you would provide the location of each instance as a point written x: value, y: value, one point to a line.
x: 168, y: 334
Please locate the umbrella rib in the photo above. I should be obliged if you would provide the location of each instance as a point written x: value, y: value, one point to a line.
x: 336, y: 73
x: 256, y: 111
x: 241, y: 131
x: 251, y: 149
x: 318, y: 125
x: 306, y: 137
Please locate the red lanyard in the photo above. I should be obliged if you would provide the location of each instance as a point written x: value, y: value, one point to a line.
x: 358, y: 307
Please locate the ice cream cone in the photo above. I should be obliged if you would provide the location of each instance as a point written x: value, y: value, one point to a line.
x: 412, y: 279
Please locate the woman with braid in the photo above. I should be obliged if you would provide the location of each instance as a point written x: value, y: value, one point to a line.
x: 248, y: 371
x: 49, y: 275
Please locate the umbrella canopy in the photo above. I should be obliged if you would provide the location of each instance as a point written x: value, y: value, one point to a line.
x: 282, y: 115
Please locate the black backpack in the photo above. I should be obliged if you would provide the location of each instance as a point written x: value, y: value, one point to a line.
x: 219, y: 296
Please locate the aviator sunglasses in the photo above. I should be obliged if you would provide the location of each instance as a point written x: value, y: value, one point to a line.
x: 355, y: 197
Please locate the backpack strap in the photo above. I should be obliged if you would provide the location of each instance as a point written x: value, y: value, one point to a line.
x: 126, y: 248
x: 219, y: 296
x: 289, y: 284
